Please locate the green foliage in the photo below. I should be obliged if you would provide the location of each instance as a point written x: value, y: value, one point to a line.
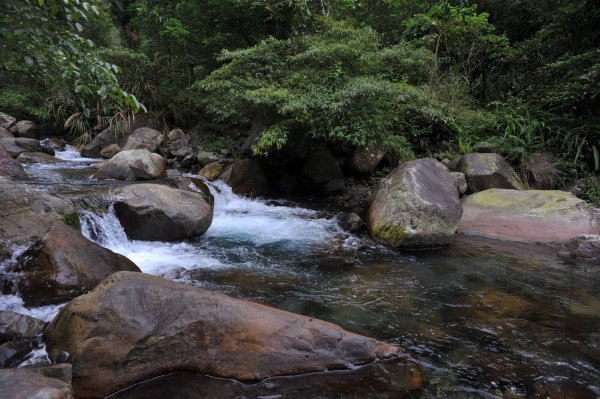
x: 591, y: 189
x: 219, y: 143
x: 335, y: 85
x: 23, y: 102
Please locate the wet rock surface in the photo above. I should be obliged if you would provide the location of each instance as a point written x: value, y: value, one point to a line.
x: 548, y: 216
x: 160, y: 213
x: 138, y: 326
x: 18, y: 326
x: 416, y: 206
x: 65, y: 264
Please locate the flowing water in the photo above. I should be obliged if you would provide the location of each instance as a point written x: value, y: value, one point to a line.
x: 485, y: 319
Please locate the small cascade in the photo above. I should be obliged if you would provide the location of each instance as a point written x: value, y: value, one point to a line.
x: 104, y: 228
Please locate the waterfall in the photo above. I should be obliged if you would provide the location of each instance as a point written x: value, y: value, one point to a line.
x: 104, y: 228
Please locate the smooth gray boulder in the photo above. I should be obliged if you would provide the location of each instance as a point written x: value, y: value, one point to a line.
x: 25, y: 129
x: 133, y: 164
x: 416, y: 206
x: 19, y: 145
x: 154, y: 212
x: 488, y: 170
x: 10, y: 167
x: 144, y: 138
x: 133, y: 327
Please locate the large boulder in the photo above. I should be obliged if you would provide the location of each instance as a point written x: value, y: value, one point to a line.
x: 27, y: 383
x: 211, y: 171
x: 488, y: 170
x: 321, y: 172
x: 17, y: 146
x: 416, y: 206
x: 37, y: 157
x: 246, y: 177
x: 19, y: 326
x: 63, y: 265
x: 133, y: 327
x: 133, y: 164
x: 144, y: 137
x: 159, y: 213
x: 9, y: 167
x: 102, y: 139
x: 26, y: 129
x: 28, y: 214
x: 547, y: 216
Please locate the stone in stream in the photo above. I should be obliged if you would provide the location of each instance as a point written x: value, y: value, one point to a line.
x: 26, y: 129
x: 102, y: 139
x: 144, y: 138
x: 110, y: 151
x: 133, y: 327
x: 37, y: 157
x: 133, y: 164
x: 545, y: 216
x: 19, y: 326
x: 488, y: 170
x: 63, y: 265
x: 24, y: 383
x: 246, y: 177
x: 155, y: 212
x: 211, y: 171
x: 17, y: 146
x: 9, y: 167
x: 416, y: 206
x: 27, y: 214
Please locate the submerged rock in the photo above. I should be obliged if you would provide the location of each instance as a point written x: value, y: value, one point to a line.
x: 26, y: 383
x: 416, y: 206
x: 133, y: 164
x: 144, y: 138
x: 246, y: 177
x: 28, y: 214
x: 9, y: 167
x: 133, y: 327
x: 159, y: 213
x: 65, y: 264
x: 488, y: 170
x: 583, y: 246
x: 545, y: 216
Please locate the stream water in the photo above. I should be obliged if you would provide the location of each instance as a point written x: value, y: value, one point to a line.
x: 485, y: 319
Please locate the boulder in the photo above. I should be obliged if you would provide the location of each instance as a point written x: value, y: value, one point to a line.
x: 246, y: 177
x: 159, y: 213
x: 321, y: 172
x: 13, y: 352
x: 211, y: 171
x: 366, y: 160
x: 26, y: 383
x: 37, y: 157
x: 6, y: 121
x: 5, y: 134
x: 175, y: 134
x: 26, y: 129
x: 17, y: 146
x: 351, y: 222
x: 205, y: 157
x: 63, y: 265
x: 102, y: 139
x: 416, y: 206
x: 110, y: 151
x: 582, y: 246
x: 28, y: 214
x: 546, y: 216
x: 144, y: 138
x: 9, y: 167
x: 133, y: 327
x: 133, y: 164
x: 19, y: 326
x: 488, y: 170
x: 461, y: 182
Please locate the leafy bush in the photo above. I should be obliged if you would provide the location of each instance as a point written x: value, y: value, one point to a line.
x: 335, y: 85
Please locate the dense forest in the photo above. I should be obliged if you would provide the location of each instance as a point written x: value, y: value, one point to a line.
x: 427, y: 78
